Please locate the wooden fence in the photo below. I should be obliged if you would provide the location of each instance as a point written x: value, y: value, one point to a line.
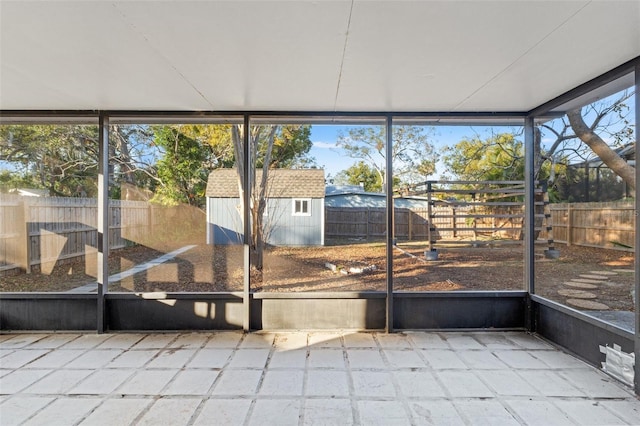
x: 605, y: 225
x: 42, y: 232
x: 36, y: 232
x: 413, y: 224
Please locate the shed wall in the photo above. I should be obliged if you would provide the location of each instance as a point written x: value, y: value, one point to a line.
x: 283, y: 229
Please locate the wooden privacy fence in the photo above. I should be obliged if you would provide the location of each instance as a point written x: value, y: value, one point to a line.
x: 36, y: 232
x: 413, y: 224
x: 605, y: 225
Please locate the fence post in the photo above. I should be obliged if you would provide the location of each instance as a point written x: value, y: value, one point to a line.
x: 410, y: 221
x: 429, y: 215
x: 26, y: 255
x: 569, y: 223
x: 454, y: 225
x: 368, y: 221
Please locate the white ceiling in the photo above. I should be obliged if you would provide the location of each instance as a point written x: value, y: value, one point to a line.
x: 388, y: 56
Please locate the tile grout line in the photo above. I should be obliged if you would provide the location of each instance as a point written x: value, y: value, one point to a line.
x: 254, y: 397
x: 198, y: 410
x: 355, y: 413
x: 391, y: 369
x: 305, y: 379
x: 160, y: 395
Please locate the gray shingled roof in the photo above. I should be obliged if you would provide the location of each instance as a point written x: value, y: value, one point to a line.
x: 283, y: 183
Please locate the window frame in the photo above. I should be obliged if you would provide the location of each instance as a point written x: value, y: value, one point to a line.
x: 303, y: 202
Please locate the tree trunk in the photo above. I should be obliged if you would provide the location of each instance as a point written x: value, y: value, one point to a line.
x: 258, y: 190
x: 608, y: 156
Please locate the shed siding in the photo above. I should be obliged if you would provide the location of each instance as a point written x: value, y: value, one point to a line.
x: 283, y: 229
x: 225, y: 222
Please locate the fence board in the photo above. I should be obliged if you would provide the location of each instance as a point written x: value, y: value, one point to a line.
x: 607, y: 225
x: 56, y: 229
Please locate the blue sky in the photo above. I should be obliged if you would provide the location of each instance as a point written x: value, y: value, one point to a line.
x: 333, y: 160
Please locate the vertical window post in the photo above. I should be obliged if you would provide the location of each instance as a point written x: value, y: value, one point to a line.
x: 246, y: 218
x: 529, y: 219
x: 637, y: 238
x: 390, y: 208
x: 103, y: 218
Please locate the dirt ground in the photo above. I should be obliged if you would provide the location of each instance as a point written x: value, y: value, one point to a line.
x: 209, y: 269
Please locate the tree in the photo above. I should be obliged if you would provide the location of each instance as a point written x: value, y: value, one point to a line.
x: 270, y: 146
x: 54, y: 157
x: 412, y: 156
x: 499, y: 157
x: 182, y: 170
x: 64, y: 158
x: 360, y: 174
x: 575, y: 139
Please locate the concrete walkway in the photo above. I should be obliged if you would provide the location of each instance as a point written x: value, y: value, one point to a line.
x: 302, y: 379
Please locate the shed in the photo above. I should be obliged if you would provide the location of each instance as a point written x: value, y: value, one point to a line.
x: 345, y: 196
x: 294, y: 214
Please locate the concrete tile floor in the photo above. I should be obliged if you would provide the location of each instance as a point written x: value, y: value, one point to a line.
x: 302, y: 378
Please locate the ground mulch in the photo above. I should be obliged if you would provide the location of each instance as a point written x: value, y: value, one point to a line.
x: 298, y: 269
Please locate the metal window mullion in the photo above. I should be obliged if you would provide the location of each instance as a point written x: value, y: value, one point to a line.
x: 103, y: 219
x: 246, y: 218
x: 529, y: 217
x: 390, y: 225
x: 637, y: 241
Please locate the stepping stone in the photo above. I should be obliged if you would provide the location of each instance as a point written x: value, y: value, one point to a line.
x: 585, y: 280
x: 587, y: 304
x: 585, y: 286
x: 578, y: 294
x: 593, y: 277
x: 624, y: 270
x: 604, y: 272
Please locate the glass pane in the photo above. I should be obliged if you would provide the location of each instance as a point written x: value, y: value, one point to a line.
x: 459, y: 204
x: 592, y: 210
x: 160, y: 181
x: 48, y: 208
x: 336, y: 242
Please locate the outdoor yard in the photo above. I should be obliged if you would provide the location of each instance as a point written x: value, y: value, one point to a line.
x: 205, y: 268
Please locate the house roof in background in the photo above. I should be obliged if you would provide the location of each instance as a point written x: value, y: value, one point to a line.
x: 283, y: 183
x: 343, y: 55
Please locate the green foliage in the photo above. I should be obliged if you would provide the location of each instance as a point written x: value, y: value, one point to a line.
x: 291, y: 148
x: 499, y: 157
x: 60, y: 158
x: 413, y: 157
x: 182, y: 168
x: 360, y: 173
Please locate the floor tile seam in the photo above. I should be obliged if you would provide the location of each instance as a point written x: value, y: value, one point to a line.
x: 38, y: 411
x: 603, y: 376
x: 131, y: 374
x: 497, y: 393
x: 519, y: 372
x: 394, y: 380
x: 258, y: 387
x: 511, y: 409
x: 117, y: 390
x: 305, y: 379
x: 47, y: 352
x: 180, y: 370
x: 512, y: 412
x: 155, y: 357
x: 51, y: 372
x: 355, y: 413
x: 607, y: 409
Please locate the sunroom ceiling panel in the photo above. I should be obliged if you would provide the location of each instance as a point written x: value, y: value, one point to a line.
x: 250, y: 55
x: 597, y: 38
x: 82, y: 55
x: 408, y: 56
